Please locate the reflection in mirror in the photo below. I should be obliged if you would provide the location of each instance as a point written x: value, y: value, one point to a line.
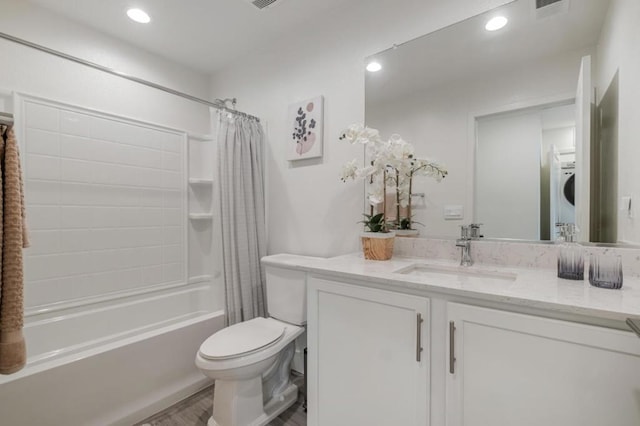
x: 516, y: 153
x: 534, y: 121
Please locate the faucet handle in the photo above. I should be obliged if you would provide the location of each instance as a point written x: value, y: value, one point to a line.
x: 474, y: 230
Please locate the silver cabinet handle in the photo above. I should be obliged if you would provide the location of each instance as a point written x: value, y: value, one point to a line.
x: 452, y: 347
x: 419, y: 322
x: 635, y: 327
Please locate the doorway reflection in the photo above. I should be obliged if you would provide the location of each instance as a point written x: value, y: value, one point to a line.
x: 525, y: 171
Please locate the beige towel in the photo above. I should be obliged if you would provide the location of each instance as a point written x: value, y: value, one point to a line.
x: 13, y: 238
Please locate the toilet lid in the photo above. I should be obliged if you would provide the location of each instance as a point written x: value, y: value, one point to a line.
x: 242, y: 338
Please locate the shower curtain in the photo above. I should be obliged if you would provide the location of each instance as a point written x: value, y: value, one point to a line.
x: 241, y: 219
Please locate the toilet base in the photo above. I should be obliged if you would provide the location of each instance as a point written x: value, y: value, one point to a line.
x: 272, y: 409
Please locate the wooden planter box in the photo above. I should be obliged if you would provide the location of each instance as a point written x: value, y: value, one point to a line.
x: 378, y: 245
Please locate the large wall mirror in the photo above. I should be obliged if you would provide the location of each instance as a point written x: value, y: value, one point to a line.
x: 537, y: 122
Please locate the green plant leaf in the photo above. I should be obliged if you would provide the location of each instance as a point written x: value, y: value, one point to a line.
x: 375, y: 223
x: 378, y: 218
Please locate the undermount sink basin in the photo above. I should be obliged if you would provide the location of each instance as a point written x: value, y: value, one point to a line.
x: 425, y: 269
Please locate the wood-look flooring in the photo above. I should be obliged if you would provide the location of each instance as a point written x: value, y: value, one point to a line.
x: 196, y: 410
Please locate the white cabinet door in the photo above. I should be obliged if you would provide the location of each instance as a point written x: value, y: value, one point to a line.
x: 365, y: 368
x: 520, y: 370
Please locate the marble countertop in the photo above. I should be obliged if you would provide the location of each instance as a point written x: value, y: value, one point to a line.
x: 533, y: 288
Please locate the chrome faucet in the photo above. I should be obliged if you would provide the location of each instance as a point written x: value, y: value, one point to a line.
x: 467, y: 233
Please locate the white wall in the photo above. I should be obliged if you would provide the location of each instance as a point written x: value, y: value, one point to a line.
x: 440, y: 124
x: 559, y: 129
x: 619, y: 49
x: 562, y: 138
x: 310, y: 211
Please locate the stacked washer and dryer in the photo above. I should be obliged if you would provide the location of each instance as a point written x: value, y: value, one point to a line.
x: 567, y: 193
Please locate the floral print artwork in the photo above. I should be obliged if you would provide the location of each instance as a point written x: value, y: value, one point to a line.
x: 304, y: 137
x: 305, y: 119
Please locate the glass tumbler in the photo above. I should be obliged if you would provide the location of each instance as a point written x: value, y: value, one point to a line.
x: 570, y: 262
x: 605, y: 270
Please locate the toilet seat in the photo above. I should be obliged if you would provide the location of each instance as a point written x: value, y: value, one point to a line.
x: 242, y: 339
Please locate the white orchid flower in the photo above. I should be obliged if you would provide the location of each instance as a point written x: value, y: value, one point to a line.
x: 430, y: 169
x: 350, y: 170
x: 391, y: 166
x: 358, y: 133
x: 376, y: 192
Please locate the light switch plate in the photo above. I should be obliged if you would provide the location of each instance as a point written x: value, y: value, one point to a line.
x: 453, y: 212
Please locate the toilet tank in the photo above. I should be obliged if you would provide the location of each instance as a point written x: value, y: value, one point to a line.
x: 287, y: 295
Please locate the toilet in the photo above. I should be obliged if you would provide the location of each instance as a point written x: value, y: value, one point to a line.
x: 251, y: 361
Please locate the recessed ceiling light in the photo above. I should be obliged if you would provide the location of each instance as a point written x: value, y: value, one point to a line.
x: 139, y: 15
x: 374, y: 66
x: 496, y: 23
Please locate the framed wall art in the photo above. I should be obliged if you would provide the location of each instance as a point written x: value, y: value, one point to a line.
x: 304, y: 125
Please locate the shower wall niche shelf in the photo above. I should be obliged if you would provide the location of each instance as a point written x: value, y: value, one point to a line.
x: 200, y: 279
x: 200, y: 216
x: 200, y: 137
x: 199, y: 181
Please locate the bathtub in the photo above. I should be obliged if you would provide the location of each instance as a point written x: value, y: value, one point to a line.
x: 113, y: 361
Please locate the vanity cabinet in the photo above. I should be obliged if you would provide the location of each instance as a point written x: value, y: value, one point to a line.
x: 478, y: 365
x: 516, y: 369
x: 368, y: 355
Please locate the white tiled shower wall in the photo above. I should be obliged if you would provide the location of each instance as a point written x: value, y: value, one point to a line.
x: 105, y: 204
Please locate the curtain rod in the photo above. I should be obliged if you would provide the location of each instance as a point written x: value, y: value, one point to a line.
x: 6, y: 118
x: 218, y: 103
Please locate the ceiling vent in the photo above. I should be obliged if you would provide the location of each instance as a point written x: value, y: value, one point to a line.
x: 546, y: 8
x: 543, y: 3
x: 261, y: 4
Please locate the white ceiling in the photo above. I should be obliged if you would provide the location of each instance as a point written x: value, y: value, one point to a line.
x: 202, y: 34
